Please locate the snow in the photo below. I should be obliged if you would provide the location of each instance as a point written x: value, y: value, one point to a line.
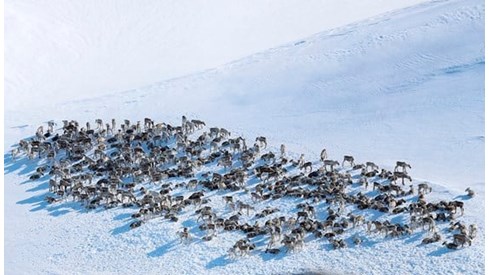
x: 405, y: 85
x: 70, y: 49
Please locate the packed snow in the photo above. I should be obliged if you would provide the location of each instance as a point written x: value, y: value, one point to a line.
x: 405, y: 85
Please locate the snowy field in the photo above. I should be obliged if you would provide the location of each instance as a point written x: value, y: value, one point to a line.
x: 404, y: 85
x: 69, y: 50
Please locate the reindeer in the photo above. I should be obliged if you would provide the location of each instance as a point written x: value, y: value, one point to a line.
x: 210, y: 229
x: 472, y: 231
x: 184, y: 121
x: 268, y: 157
x: 148, y: 123
x: 247, y: 207
x: 451, y: 245
x: 100, y: 124
x: 430, y: 222
x: 424, y: 188
x: 160, y: 152
x: 228, y: 199
x: 206, y: 214
x: 184, y: 235
x: 272, y: 250
x: 402, y: 176
x: 53, y: 185
x: 364, y: 182
x: 306, y: 165
x: 262, y: 141
x: 302, y: 214
x: 462, y: 239
x: 324, y: 155
x: 282, y: 150
x: 337, y: 243
x: 378, y: 226
x: 470, y: 192
x: 40, y: 131
x: 226, y: 163
x: 348, y: 159
x: 274, y: 237
x: 255, y: 196
x: 403, y: 165
x: 291, y: 221
x: 369, y: 174
x: 330, y: 163
x: 456, y: 226
x: 356, y: 219
x: 454, y: 205
x: 301, y: 160
x: 241, y: 247
x: 435, y: 238
x: 358, y: 167
x: 198, y: 123
x: 136, y: 224
x: 357, y: 240
x: 292, y: 243
x: 371, y: 165
x: 114, y: 125
x: 51, y: 125
x: 14, y: 153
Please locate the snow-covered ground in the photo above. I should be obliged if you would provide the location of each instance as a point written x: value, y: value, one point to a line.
x: 405, y: 85
x: 70, y: 49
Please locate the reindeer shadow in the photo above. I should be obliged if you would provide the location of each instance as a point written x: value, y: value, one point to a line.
x: 22, y: 164
x: 374, y: 214
x: 121, y: 229
x: 415, y: 237
x: 268, y: 256
x: 35, y: 200
x: 193, y: 227
x: 220, y: 261
x: 372, y: 193
x: 41, y: 186
x: 462, y: 197
x: 123, y: 216
x: 162, y: 250
x: 38, y: 203
x: 399, y: 219
x: 440, y: 252
x: 64, y: 208
x: 57, y: 213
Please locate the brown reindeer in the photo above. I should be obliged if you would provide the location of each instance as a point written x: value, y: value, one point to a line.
x: 330, y: 163
x: 403, y: 165
x: 462, y: 239
x: 435, y: 238
x: 262, y: 141
x: 424, y: 188
x: 451, y: 245
x: 371, y: 165
x: 348, y: 159
x: 184, y: 235
x: 470, y: 192
x: 306, y: 166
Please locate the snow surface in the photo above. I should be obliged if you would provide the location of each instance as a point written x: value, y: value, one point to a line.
x: 406, y: 85
x: 64, y: 50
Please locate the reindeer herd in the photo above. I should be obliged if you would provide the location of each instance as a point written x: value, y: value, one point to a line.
x: 145, y: 166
